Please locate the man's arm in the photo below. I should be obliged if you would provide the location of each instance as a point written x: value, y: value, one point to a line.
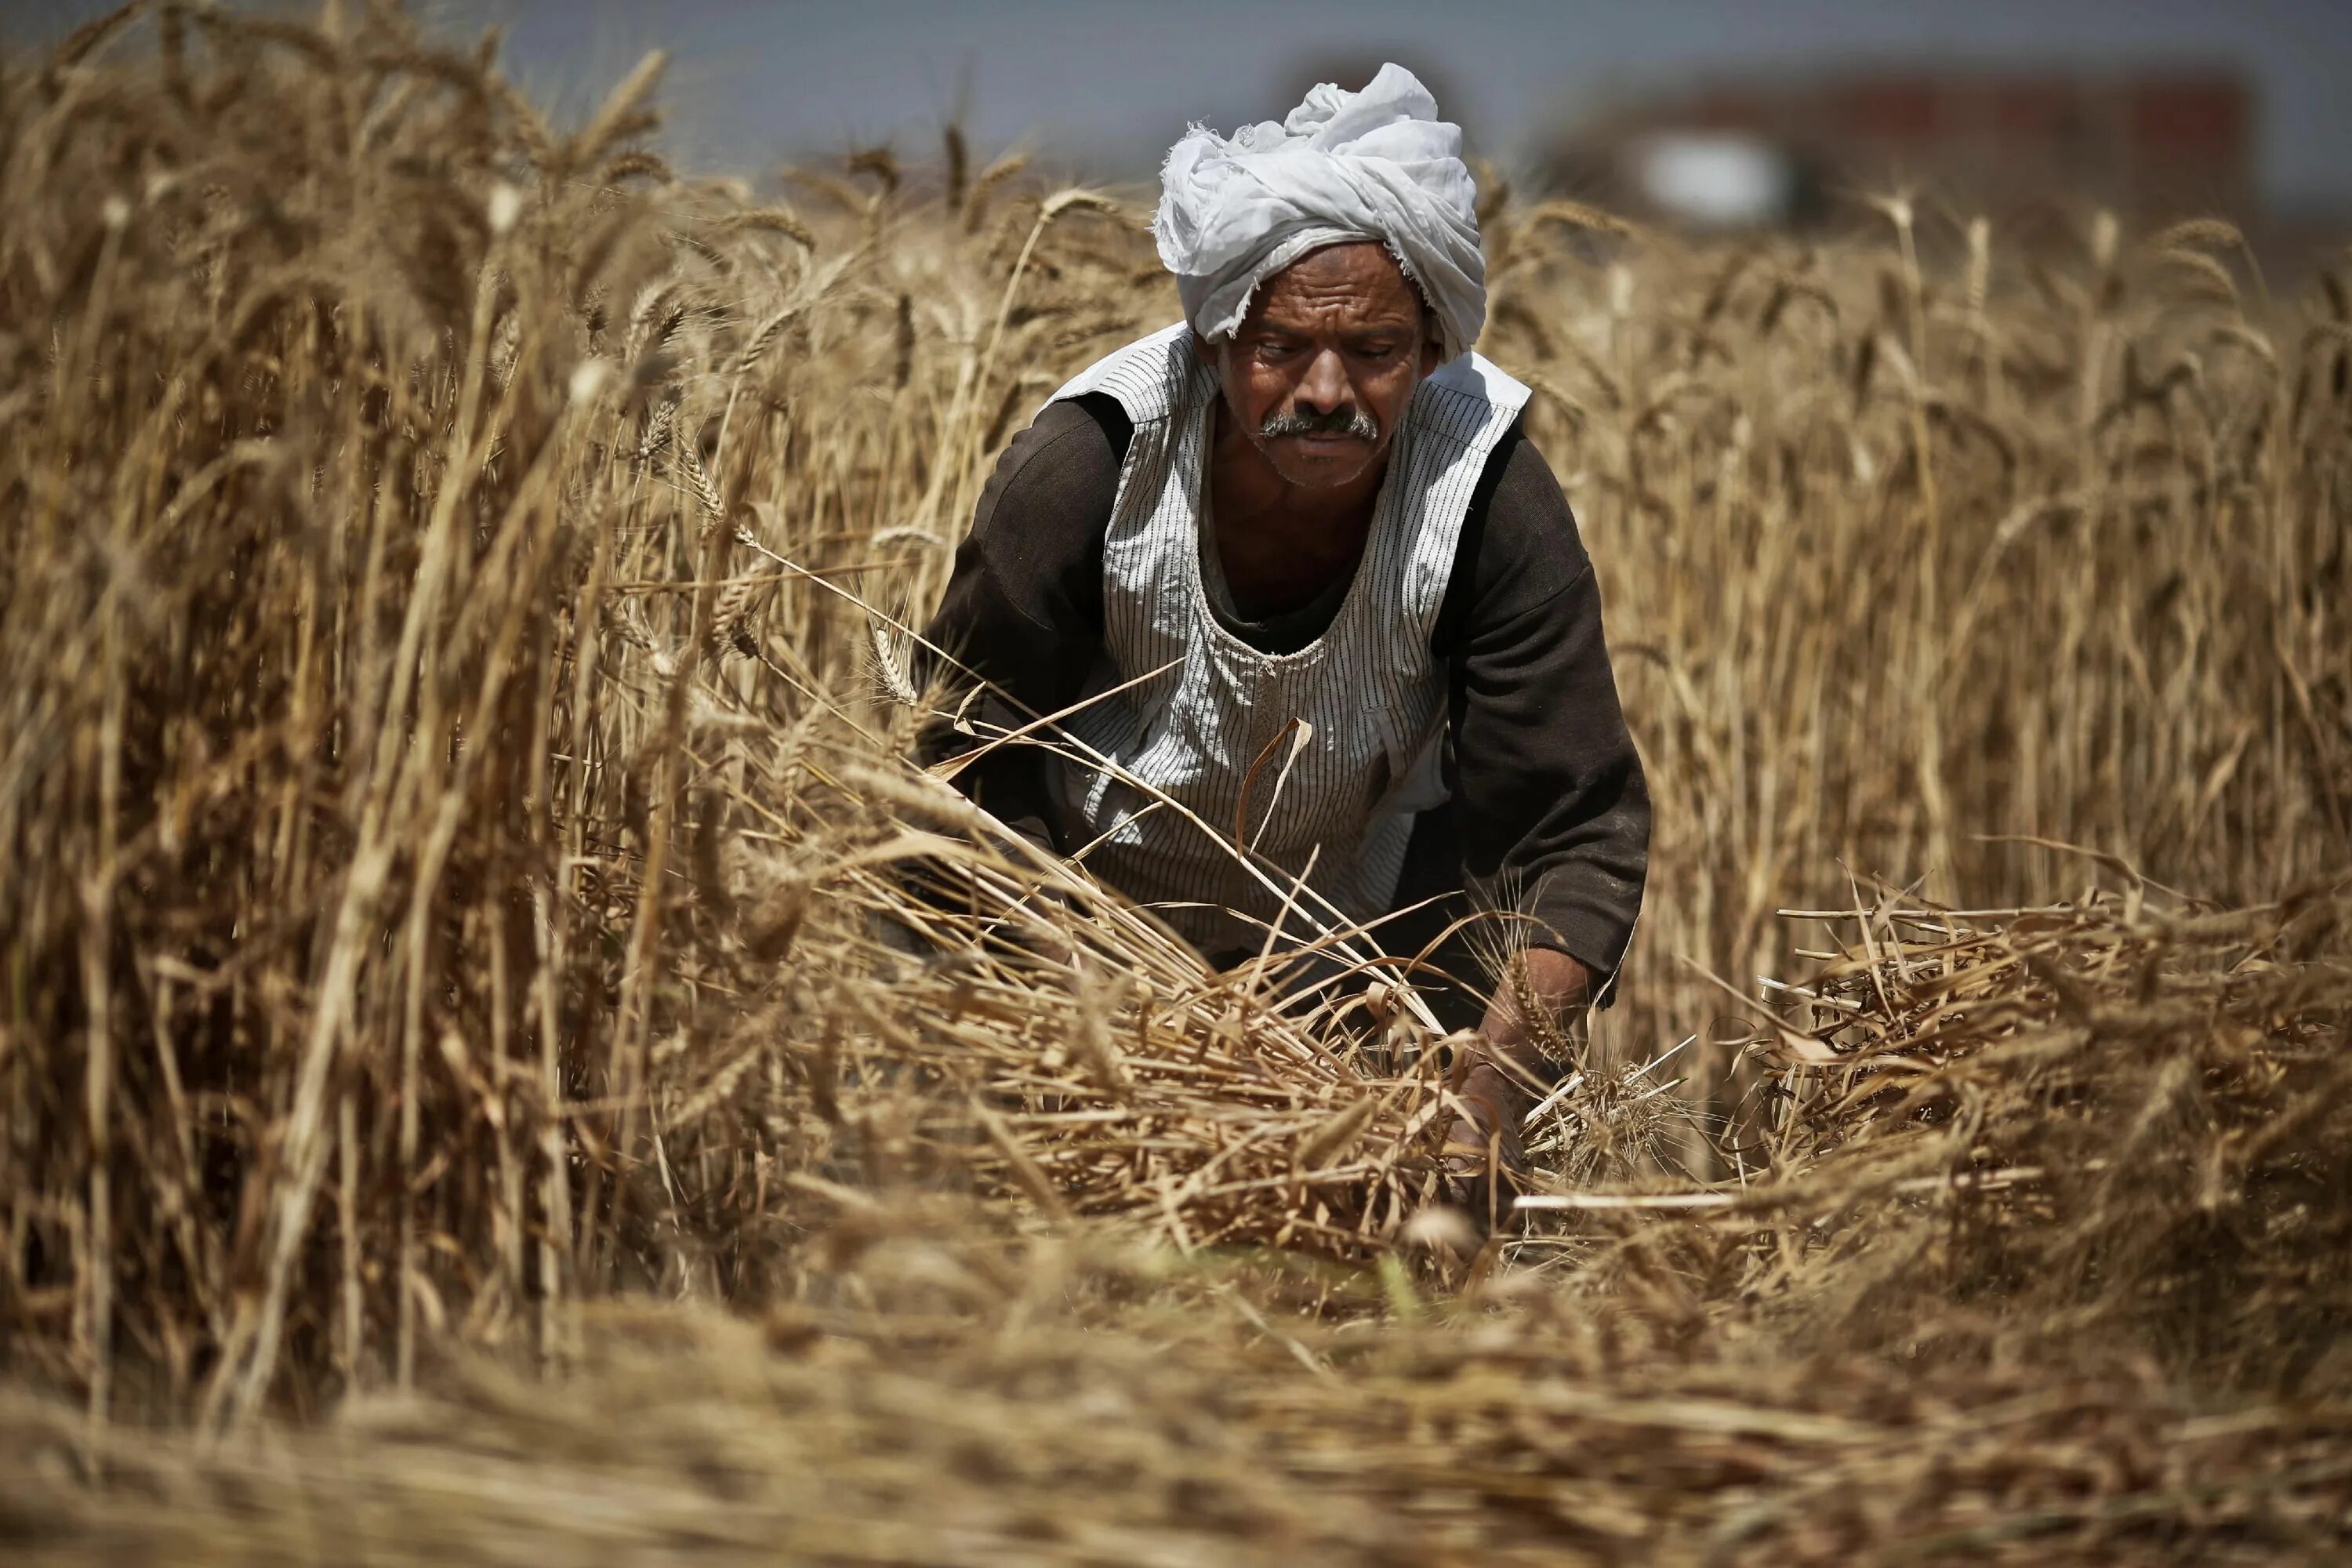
x: 1555, y: 812
x: 1023, y: 608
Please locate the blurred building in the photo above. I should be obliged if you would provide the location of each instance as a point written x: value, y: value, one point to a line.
x: 2152, y: 146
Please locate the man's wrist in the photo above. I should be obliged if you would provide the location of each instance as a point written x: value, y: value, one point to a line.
x: 1559, y: 977
x: 1549, y: 982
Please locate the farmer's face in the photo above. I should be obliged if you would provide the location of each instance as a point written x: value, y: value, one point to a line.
x: 1320, y: 372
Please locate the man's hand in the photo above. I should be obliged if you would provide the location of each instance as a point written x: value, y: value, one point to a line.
x: 1509, y: 1058
x: 1558, y: 985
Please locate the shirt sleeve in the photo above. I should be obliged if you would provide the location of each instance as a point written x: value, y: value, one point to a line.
x: 1023, y: 609
x: 1555, y: 812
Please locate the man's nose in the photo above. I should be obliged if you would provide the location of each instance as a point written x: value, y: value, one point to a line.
x: 1325, y: 385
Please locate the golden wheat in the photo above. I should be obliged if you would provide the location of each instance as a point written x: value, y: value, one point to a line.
x: 462, y: 862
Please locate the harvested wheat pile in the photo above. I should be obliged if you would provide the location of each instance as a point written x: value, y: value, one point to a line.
x: 2074, y: 1131
x: 460, y: 866
x: 2108, y: 1122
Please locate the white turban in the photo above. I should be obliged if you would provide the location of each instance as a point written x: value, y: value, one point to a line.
x: 1342, y: 167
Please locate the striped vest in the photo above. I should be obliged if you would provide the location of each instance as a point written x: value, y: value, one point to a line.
x: 1194, y: 802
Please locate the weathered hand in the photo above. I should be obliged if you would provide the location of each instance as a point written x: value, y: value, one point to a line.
x: 1483, y: 1156
x: 1558, y: 985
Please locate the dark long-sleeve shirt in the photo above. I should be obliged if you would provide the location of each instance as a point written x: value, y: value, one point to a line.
x: 1548, y: 802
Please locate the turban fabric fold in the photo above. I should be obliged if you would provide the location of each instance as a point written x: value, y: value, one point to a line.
x: 1341, y: 167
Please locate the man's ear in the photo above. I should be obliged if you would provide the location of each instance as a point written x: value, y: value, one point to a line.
x: 1205, y: 349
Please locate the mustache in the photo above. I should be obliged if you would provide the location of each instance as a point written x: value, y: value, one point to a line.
x: 1353, y: 423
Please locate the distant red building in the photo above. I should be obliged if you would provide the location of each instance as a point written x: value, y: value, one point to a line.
x: 2152, y: 146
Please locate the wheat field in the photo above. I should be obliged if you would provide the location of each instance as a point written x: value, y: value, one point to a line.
x: 506, y: 1058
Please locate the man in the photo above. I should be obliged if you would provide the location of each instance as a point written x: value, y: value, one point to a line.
x: 1303, y: 580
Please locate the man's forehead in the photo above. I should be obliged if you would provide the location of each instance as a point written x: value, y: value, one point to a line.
x: 1360, y: 281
